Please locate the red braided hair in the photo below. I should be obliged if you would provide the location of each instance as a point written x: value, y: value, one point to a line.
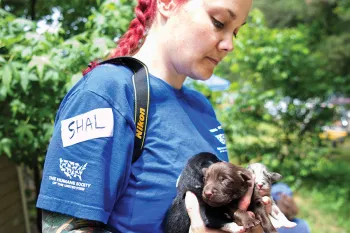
x: 132, y: 40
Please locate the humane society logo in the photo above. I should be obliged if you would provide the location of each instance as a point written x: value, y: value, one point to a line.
x: 71, y: 170
x: 220, y: 136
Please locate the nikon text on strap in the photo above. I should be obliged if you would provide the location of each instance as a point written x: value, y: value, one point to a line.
x: 142, y: 98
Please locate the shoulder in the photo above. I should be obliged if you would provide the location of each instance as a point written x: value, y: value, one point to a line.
x: 107, y: 77
x: 106, y: 85
x: 112, y: 83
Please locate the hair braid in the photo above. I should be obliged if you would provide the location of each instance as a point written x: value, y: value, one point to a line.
x: 131, y: 40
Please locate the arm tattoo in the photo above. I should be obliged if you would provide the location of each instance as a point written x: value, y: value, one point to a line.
x: 60, y: 223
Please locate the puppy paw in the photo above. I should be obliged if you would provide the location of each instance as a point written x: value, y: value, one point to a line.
x: 278, y: 223
x: 275, y: 222
x: 233, y: 228
x: 250, y: 222
x: 289, y: 224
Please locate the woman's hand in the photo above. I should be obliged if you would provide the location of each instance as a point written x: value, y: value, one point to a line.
x: 197, y: 224
x: 245, y: 200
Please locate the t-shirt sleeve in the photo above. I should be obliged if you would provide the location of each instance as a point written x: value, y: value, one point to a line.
x: 88, y: 160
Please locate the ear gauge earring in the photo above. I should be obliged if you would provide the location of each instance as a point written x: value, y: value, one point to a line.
x: 142, y: 40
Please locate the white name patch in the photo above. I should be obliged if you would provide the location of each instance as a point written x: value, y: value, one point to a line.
x: 97, y: 123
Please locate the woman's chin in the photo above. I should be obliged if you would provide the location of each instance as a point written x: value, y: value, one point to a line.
x: 202, y: 76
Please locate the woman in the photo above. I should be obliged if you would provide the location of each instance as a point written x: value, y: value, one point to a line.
x: 94, y: 127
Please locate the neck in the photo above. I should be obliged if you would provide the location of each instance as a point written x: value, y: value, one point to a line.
x: 154, y: 56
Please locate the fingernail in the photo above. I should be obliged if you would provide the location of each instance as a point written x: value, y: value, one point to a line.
x: 266, y: 199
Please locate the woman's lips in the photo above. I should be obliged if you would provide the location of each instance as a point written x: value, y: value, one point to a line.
x: 215, y: 62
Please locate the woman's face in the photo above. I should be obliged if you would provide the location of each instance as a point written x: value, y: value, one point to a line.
x: 200, y: 34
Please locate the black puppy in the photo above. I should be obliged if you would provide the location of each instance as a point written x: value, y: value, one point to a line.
x: 218, y: 186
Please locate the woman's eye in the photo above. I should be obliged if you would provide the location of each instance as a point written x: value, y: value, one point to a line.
x: 217, y: 23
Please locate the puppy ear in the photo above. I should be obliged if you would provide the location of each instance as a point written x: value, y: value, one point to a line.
x: 204, y: 170
x: 274, y: 176
x: 245, y: 176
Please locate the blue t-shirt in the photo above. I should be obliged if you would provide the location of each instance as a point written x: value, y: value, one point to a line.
x: 301, y: 227
x: 88, y: 172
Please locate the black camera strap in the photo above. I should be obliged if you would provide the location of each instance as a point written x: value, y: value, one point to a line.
x: 142, y: 98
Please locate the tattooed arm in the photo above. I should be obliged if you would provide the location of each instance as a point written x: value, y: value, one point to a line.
x: 60, y: 223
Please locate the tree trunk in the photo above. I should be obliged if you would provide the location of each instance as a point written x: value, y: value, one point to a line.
x: 37, y: 190
x: 32, y: 10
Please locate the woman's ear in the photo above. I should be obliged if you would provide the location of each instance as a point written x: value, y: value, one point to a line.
x: 166, y: 7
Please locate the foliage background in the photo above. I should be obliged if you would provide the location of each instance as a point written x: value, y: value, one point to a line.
x: 290, y: 60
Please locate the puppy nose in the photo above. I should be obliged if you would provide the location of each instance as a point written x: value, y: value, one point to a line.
x: 208, y: 194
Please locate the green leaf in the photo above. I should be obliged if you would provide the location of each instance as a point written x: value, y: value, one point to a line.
x: 27, y: 52
x: 14, y: 70
x: 3, y: 93
x: 24, y: 80
x: 51, y: 75
x: 39, y: 62
x: 33, y: 77
x: 7, y: 76
x: 5, y: 146
x: 75, y: 78
x: 24, y: 132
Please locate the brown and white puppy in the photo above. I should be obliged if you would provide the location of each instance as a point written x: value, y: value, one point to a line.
x: 263, y: 181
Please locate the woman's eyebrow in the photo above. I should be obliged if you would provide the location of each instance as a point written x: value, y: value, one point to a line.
x: 233, y: 16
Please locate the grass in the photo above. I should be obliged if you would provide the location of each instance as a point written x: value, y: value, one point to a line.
x: 319, y: 220
x: 324, y: 198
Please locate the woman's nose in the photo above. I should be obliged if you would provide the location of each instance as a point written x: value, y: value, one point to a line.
x: 226, y: 44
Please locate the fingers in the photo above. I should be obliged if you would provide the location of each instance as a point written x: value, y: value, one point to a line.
x: 251, y: 214
x: 245, y: 200
x: 192, y: 207
x: 268, y: 204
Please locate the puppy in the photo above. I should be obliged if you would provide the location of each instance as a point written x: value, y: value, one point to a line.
x: 218, y: 187
x: 263, y: 182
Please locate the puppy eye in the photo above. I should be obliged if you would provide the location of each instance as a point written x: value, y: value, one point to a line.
x: 221, y: 178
